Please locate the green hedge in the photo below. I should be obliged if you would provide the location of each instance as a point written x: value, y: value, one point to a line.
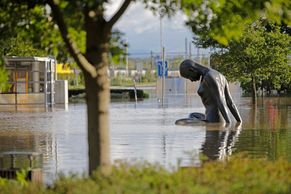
x: 238, y: 175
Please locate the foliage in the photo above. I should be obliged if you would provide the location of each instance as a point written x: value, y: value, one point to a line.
x: 237, y: 175
x: 148, y: 77
x: 17, y: 46
x: 17, y: 29
x: 27, y: 30
x: 121, y: 80
x: 4, y: 86
x: 118, y: 47
x: 74, y: 80
x: 30, y: 25
x: 260, y: 55
x: 219, y: 21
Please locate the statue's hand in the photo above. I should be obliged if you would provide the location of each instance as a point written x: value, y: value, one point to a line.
x: 238, y: 125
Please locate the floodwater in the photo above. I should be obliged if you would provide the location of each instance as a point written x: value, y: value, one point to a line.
x: 146, y: 131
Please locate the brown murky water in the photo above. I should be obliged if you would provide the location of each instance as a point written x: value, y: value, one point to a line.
x: 146, y: 131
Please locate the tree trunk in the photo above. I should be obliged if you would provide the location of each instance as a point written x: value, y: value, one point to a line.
x: 94, y: 65
x: 97, y: 98
x: 254, y: 91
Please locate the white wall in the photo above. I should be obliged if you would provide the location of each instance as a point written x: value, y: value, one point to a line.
x: 61, y: 92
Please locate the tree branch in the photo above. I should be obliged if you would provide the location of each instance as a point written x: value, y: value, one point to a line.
x: 119, y: 13
x: 70, y: 44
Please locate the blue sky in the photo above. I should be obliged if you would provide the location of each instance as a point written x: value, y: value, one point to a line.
x: 142, y: 29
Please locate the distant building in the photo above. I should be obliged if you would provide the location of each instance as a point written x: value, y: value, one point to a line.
x: 32, y: 80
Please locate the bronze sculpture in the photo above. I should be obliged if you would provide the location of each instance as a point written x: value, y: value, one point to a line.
x: 214, y: 93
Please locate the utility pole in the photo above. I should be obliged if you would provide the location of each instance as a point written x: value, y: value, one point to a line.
x: 163, y: 59
x: 151, y: 61
x: 198, y: 55
x: 209, y: 57
x: 190, y: 50
x: 161, y: 35
x: 126, y: 58
x: 186, y: 48
x: 163, y: 75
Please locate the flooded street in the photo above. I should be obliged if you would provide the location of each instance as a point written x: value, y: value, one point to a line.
x: 146, y: 131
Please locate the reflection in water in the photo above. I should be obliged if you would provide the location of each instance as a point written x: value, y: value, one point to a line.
x: 220, y: 140
x: 143, y: 131
x: 25, y: 141
x: 271, y: 113
x: 50, y: 133
x: 267, y: 131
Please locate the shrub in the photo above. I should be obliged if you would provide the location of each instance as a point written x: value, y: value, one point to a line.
x: 238, y: 175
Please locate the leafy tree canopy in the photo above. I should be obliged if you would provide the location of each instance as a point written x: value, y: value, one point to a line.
x: 223, y: 20
x: 31, y: 24
x: 260, y: 55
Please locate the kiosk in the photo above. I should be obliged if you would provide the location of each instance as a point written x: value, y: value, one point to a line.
x: 31, y: 81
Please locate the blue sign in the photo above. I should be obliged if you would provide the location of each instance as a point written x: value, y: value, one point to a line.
x: 161, y: 70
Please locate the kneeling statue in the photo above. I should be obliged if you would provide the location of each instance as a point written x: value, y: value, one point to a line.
x: 214, y: 93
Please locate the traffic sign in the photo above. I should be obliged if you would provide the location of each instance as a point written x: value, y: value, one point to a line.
x: 160, y: 67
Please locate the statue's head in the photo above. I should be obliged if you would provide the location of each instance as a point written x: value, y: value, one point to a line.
x: 189, y: 70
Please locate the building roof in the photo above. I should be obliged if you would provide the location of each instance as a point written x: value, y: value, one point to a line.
x: 27, y: 59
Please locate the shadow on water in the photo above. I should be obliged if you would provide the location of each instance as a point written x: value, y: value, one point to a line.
x: 147, y: 131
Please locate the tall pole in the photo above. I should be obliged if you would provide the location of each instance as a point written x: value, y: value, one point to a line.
x: 126, y: 58
x: 209, y: 57
x: 190, y: 50
x: 163, y: 75
x: 186, y: 48
x: 198, y: 55
x: 163, y: 58
x: 161, y: 35
x: 151, y: 61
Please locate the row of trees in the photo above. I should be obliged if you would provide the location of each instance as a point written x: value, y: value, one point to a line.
x: 219, y: 19
x: 259, y: 59
x: 27, y: 29
x: 249, y: 50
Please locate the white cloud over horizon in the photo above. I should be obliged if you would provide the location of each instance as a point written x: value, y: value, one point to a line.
x: 142, y: 29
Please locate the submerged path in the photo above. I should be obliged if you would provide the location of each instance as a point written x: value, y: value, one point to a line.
x: 118, y: 90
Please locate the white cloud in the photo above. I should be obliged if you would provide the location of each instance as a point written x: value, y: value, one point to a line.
x: 142, y: 28
x: 178, y: 21
x: 139, y: 20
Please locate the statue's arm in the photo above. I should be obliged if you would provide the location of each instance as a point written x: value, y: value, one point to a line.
x: 217, y: 93
x: 232, y: 107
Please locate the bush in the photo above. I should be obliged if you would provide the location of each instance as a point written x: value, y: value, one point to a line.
x: 238, y: 175
x: 121, y: 81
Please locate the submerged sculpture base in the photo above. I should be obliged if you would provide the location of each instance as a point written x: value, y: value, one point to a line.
x: 189, y: 121
x: 194, y: 119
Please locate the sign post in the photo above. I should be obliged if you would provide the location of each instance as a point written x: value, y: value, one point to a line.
x: 162, y: 71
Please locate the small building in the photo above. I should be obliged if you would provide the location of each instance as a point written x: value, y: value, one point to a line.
x: 32, y: 81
